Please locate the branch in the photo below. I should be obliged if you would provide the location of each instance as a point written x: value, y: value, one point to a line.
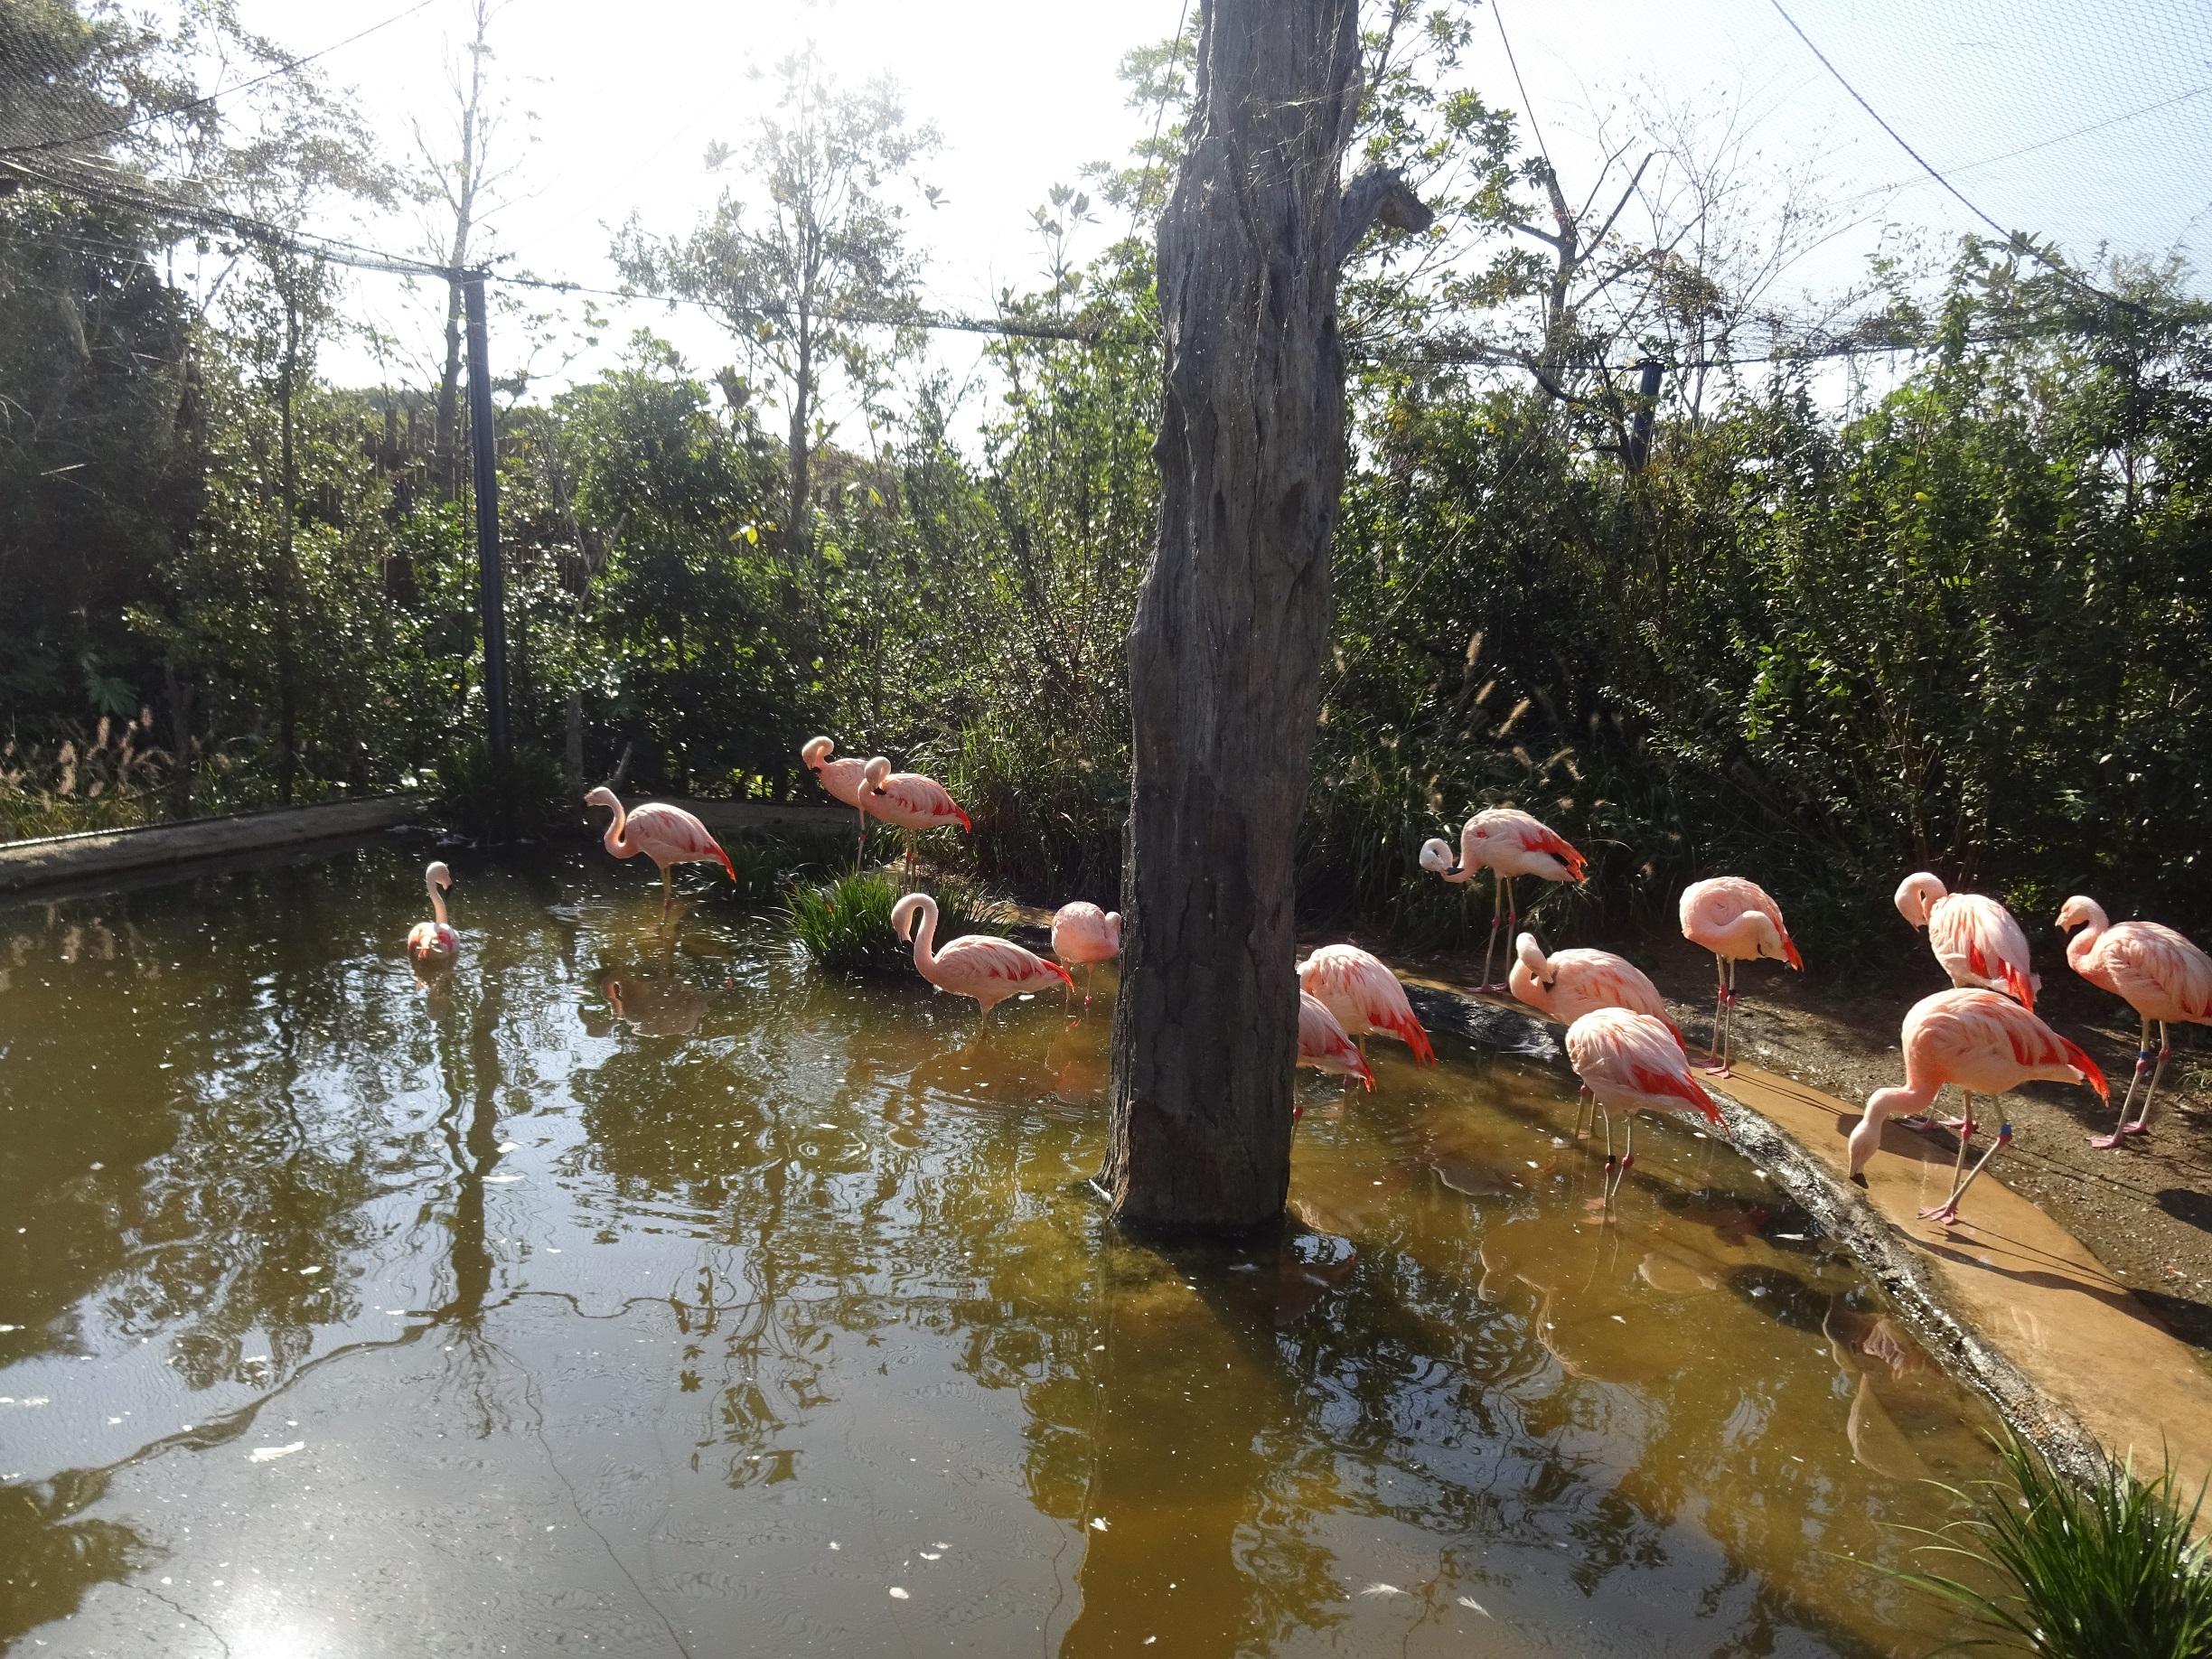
x: 1381, y: 195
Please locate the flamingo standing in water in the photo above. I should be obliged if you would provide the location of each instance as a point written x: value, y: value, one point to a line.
x: 1083, y: 935
x: 1364, y: 997
x: 844, y: 780
x: 1975, y: 939
x: 1634, y: 1062
x: 910, y: 801
x: 1508, y: 843
x: 1986, y: 1044
x: 1568, y: 984
x: 1325, y: 1046
x: 973, y: 965
x: 1735, y: 920
x: 2156, y: 972
x: 435, y: 944
x: 667, y: 835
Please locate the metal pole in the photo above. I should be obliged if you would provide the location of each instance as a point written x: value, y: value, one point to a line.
x: 484, y: 452
x: 1647, y: 405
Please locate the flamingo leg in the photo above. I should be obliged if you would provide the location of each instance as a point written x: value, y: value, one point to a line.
x: 1719, y: 1067
x: 2105, y: 1143
x: 860, y: 851
x: 1728, y: 1044
x: 1497, y: 906
x: 1966, y: 1137
x: 2142, y: 1126
x: 1605, y: 1180
x: 1628, y: 1161
x: 1947, y: 1210
x: 668, y: 889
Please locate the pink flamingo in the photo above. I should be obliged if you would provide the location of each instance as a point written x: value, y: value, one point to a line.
x: 435, y: 944
x: 1735, y: 920
x: 1324, y: 1044
x: 1508, y: 843
x: 2156, y: 972
x: 1083, y: 934
x: 667, y: 835
x: 910, y: 801
x: 1364, y: 997
x: 1974, y: 938
x: 1984, y: 1043
x: 844, y: 780
x: 1634, y: 1062
x: 1568, y: 984
x: 973, y: 965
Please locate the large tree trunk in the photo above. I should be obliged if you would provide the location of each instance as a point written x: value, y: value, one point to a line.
x: 1225, y: 652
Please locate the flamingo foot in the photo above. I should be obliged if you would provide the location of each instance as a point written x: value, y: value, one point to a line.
x: 1716, y: 1071
x: 1942, y: 1215
x: 2137, y: 1127
x: 2106, y: 1143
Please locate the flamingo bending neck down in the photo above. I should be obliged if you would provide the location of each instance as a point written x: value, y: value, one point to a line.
x: 1735, y: 920
x: 434, y: 943
x: 1568, y: 984
x: 1508, y: 843
x: 667, y: 835
x: 1985, y: 1044
x: 973, y: 965
x: 1365, y: 996
x: 1324, y: 1044
x: 1083, y: 935
x: 1634, y: 1062
x: 910, y: 801
x: 2156, y: 972
x: 844, y: 780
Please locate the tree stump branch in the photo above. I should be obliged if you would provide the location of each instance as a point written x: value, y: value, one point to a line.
x: 1379, y: 196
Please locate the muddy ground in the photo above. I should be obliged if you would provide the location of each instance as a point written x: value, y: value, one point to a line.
x: 2146, y: 1210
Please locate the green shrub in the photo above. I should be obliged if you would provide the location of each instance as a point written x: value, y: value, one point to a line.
x: 2106, y: 1570
x: 486, y: 800
x: 846, y: 925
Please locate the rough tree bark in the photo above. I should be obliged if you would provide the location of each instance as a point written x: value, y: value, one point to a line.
x: 1225, y: 652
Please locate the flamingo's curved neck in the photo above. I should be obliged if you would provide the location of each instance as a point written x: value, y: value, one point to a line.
x: 2085, y: 940
x: 1468, y: 861
x: 925, y: 940
x: 615, y: 832
x: 437, y: 901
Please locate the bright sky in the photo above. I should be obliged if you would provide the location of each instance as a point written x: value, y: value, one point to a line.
x: 2081, y: 122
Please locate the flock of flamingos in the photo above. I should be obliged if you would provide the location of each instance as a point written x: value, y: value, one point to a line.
x: 1983, y: 1035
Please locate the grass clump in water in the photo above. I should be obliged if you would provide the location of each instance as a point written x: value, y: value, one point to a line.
x: 2107, y: 1570
x: 845, y: 925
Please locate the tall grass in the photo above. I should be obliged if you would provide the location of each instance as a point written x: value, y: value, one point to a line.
x: 845, y: 925
x: 2104, y: 1569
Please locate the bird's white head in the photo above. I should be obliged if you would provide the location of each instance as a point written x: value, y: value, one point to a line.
x: 816, y: 750
x: 1531, y: 954
x: 1917, y: 895
x: 903, y: 912
x: 876, y: 772
x: 1113, y: 929
x: 605, y: 797
x: 2081, y: 912
x: 1438, y: 857
x: 437, y: 875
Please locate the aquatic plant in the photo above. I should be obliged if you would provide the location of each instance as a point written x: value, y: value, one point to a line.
x: 2107, y: 1568
x: 846, y: 925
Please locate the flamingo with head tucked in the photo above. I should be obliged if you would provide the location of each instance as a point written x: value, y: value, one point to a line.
x: 910, y: 801
x: 1634, y: 1062
x: 1736, y: 921
x: 1568, y: 984
x: 1985, y: 1044
x: 2156, y: 972
x: 1508, y: 843
x: 1365, y: 996
x: 1975, y: 939
x: 1324, y: 1045
x: 1083, y: 935
x: 667, y: 835
x: 843, y: 779
x: 974, y: 965
x: 435, y: 944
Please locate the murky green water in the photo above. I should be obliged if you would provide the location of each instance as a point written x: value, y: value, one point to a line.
x: 603, y: 1299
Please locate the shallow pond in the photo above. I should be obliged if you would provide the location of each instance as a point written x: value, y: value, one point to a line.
x: 606, y: 1297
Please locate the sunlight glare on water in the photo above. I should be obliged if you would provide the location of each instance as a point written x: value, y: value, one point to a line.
x: 606, y: 1297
